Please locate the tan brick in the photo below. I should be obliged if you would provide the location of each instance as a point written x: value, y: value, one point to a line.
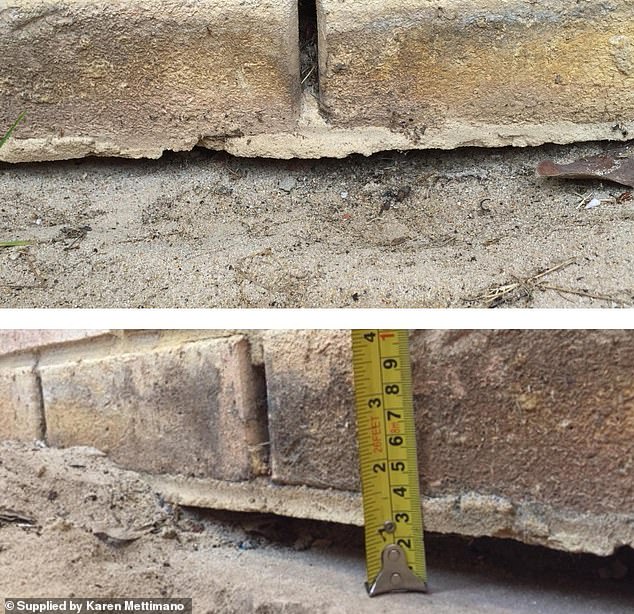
x: 311, y: 410
x: 521, y: 433
x: 478, y: 72
x: 138, y: 77
x: 544, y: 416
x: 20, y: 340
x: 191, y: 409
x: 20, y: 404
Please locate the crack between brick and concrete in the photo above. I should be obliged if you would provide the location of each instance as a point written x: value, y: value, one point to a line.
x: 313, y: 137
x: 473, y: 514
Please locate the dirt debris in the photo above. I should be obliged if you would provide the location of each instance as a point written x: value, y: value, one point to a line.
x: 417, y: 229
x: 105, y: 533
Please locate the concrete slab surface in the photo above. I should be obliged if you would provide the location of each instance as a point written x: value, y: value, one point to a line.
x: 428, y: 229
x: 69, y: 499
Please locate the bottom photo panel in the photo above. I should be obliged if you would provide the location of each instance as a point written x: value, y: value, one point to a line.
x: 317, y: 471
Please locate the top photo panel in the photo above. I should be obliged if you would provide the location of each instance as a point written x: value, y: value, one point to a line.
x: 316, y: 153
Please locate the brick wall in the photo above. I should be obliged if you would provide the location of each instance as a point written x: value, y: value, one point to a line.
x: 136, y: 78
x: 524, y: 434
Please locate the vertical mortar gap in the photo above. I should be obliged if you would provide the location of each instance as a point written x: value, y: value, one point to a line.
x: 309, y: 53
x: 264, y: 453
x: 42, y: 433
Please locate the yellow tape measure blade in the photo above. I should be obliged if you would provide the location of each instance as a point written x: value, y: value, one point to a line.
x: 388, y: 464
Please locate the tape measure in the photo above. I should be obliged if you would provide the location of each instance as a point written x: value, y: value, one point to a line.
x: 395, y: 551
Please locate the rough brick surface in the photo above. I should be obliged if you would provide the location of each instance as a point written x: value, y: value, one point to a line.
x: 135, y: 78
x: 19, y: 340
x: 20, y: 404
x: 190, y: 409
x: 521, y: 433
x: 545, y: 416
x: 486, y: 72
x: 311, y: 411
x: 138, y: 77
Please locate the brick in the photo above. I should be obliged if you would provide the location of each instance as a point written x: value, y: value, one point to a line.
x: 192, y: 409
x: 311, y: 411
x: 544, y: 416
x: 20, y: 404
x: 523, y: 434
x: 478, y: 72
x: 137, y: 77
x: 20, y: 340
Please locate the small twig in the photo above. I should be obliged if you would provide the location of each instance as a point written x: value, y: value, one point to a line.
x: 152, y: 237
x: 30, y: 260
x: 552, y: 269
x: 22, y: 286
x: 584, y: 293
x: 15, y: 243
x: 585, y: 199
x: 40, y: 279
x: 310, y: 72
x: 497, y: 294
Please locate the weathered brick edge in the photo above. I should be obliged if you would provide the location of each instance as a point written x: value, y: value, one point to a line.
x: 21, y: 412
x: 312, y: 426
x: 138, y: 77
x: 190, y: 409
x: 163, y: 401
x: 471, y: 514
x: 13, y: 341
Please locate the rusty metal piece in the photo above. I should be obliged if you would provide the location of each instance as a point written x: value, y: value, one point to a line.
x: 616, y: 165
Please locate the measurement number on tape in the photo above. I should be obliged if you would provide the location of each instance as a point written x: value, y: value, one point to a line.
x: 395, y: 555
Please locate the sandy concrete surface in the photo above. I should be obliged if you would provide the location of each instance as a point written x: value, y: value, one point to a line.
x: 73, y: 524
x: 472, y: 227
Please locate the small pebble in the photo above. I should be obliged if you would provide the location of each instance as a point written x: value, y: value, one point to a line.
x: 303, y: 542
x: 288, y: 184
x: 322, y: 543
x: 168, y: 533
